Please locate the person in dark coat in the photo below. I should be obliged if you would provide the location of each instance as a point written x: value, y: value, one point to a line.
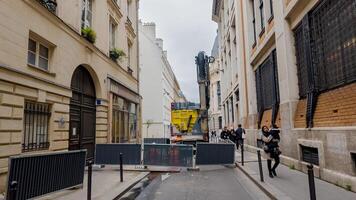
x: 271, y: 139
x: 240, y: 136
x: 224, y: 133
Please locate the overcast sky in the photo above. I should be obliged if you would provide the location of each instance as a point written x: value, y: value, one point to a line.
x: 186, y: 28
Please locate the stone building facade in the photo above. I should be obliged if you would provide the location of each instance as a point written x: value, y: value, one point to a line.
x: 215, y: 117
x: 58, y: 91
x: 159, y: 86
x: 292, y: 64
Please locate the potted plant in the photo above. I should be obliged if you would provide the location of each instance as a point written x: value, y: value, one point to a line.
x: 116, y: 54
x: 89, y: 34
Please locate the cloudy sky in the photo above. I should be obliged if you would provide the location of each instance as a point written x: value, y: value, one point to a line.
x: 186, y: 28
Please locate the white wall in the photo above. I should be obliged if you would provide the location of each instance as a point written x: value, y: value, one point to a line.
x: 158, y: 85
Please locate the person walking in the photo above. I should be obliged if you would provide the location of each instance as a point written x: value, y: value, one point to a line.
x: 232, y: 135
x: 271, y: 139
x: 224, y: 133
x: 240, y: 136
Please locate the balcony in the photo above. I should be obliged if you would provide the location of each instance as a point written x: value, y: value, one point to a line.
x: 51, y: 5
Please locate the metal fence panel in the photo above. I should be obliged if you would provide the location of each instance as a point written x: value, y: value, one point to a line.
x: 215, y: 154
x: 156, y: 140
x: 108, y: 154
x: 41, y: 174
x: 168, y: 155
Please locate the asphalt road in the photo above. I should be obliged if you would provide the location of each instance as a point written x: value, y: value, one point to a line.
x: 219, y: 183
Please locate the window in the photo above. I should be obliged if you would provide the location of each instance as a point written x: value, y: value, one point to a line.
x: 220, y: 122
x: 38, y: 54
x: 133, y: 121
x: 353, y: 158
x: 271, y: 9
x: 326, y: 47
x: 129, y: 45
x: 262, y: 16
x: 86, y: 13
x: 232, y: 109
x: 36, y: 118
x: 112, y: 30
x: 254, y: 22
x: 219, y: 94
x: 310, y: 155
x: 267, y: 88
x: 124, y: 120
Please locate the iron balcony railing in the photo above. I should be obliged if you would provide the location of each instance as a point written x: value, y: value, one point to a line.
x: 51, y: 5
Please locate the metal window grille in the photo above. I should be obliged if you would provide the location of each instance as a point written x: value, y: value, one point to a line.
x: 332, y: 29
x: 310, y: 155
x: 36, y: 126
x: 267, y: 83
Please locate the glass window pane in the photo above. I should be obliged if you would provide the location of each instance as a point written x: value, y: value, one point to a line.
x: 31, y: 45
x: 43, y: 51
x: 31, y: 58
x: 43, y: 63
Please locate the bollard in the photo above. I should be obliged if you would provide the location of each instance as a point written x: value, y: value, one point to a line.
x: 121, y: 169
x: 311, y: 182
x: 13, y: 190
x: 242, y: 154
x: 90, y: 171
x: 260, y: 165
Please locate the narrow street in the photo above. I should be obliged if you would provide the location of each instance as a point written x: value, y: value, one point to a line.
x: 210, y: 183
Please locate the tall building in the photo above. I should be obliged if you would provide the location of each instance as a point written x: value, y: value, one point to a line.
x: 215, y: 117
x: 65, y: 82
x: 292, y: 63
x: 158, y: 85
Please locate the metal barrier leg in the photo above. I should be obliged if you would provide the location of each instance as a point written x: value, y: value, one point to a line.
x: 13, y: 190
x: 121, y: 169
x: 260, y: 165
x: 242, y: 154
x: 311, y: 182
x: 90, y: 171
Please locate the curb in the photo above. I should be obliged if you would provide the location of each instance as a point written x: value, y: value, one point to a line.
x: 129, y: 185
x: 257, y: 183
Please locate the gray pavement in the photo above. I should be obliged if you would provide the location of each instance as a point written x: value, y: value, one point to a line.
x: 293, y: 184
x: 106, y: 185
x: 210, y: 183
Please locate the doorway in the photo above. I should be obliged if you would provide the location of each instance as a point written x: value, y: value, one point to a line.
x: 82, y: 122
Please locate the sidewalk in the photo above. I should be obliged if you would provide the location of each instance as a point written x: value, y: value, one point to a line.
x: 289, y: 184
x: 106, y: 185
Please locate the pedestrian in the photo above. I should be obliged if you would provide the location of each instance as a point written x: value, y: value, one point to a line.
x: 232, y: 135
x: 271, y: 139
x: 240, y: 136
x: 224, y: 133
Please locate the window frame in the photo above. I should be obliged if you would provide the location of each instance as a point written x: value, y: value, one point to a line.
x: 112, y: 33
x: 38, y: 55
x: 262, y: 17
x: 254, y: 24
x: 36, y: 116
x: 87, y: 7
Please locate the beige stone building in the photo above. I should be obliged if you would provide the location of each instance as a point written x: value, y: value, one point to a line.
x: 292, y: 63
x: 58, y: 91
x: 215, y: 117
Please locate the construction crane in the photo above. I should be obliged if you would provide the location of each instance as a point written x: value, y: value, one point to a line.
x: 202, y: 61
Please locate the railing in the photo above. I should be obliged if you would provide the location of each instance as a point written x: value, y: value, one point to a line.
x: 36, y: 175
x: 109, y: 154
x: 215, y: 154
x: 51, y: 5
x: 168, y: 155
